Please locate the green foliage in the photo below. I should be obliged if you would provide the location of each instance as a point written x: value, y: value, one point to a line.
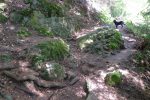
x: 25, y: 12
x: 5, y: 58
x: 47, y: 18
x: 117, y: 8
x: 36, y: 20
x: 44, y: 31
x: 3, y: 18
x: 19, y: 16
x: 104, y: 17
x: 59, y: 26
x: 16, y: 17
x: 50, y: 26
x: 115, y: 41
x: 53, y: 71
x: 113, y: 78
x: 102, y: 40
x: 37, y: 61
x: 54, y: 10
x: 142, y: 30
x: 49, y: 9
x: 54, y: 49
x: 142, y: 59
x: 23, y: 32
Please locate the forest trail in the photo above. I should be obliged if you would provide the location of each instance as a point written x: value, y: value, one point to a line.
x: 129, y: 43
x: 131, y: 89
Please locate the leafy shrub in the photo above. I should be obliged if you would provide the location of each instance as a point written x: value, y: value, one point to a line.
x: 113, y: 78
x: 141, y: 30
x: 104, y: 17
x: 37, y: 61
x: 54, y: 49
x: 16, y: 17
x: 23, y: 32
x: 5, y: 58
x: 62, y: 27
x: 115, y: 41
x: 37, y: 20
x: 117, y: 8
x: 3, y: 18
x: 48, y: 8
x: 101, y: 40
x: 44, y: 31
x: 142, y: 59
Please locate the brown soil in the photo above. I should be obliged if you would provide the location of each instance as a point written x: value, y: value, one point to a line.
x: 86, y: 66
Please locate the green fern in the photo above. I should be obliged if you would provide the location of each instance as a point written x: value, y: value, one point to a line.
x: 37, y: 60
x: 54, y: 49
x: 23, y: 32
x: 113, y: 78
x: 3, y: 18
x: 44, y: 31
x: 5, y: 58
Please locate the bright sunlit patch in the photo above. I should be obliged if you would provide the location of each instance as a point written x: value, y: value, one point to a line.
x: 139, y: 82
x: 85, y: 43
x: 91, y: 84
x: 135, y: 78
x: 2, y: 6
x: 112, y: 96
x: 128, y: 39
x: 117, y: 30
x: 102, y: 74
x: 124, y: 72
x: 80, y: 92
x: 32, y: 88
x: 133, y: 9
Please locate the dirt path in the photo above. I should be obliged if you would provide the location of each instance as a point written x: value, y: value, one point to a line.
x: 131, y: 89
x: 129, y: 42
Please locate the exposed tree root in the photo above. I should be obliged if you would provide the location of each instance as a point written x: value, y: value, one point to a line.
x: 34, y: 78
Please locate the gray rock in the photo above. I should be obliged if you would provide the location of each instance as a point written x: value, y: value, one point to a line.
x: 89, y: 89
x: 92, y: 96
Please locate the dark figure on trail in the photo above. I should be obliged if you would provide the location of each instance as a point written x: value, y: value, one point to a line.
x: 118, y: 23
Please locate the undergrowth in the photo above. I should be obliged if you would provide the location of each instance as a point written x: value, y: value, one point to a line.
x: 3, y: 18
x: 114, y: 78
x: 5, y: 58
x: 142, y: 31
x: 53, y: 71
x: 55, y: 49
x: 23, y: 32
x: 101, y: 40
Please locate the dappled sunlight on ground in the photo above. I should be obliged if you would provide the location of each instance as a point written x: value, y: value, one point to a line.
x: 134, y: 78
x: 84, y: 32
x: 31, y: 87
x: 80, y: 93
x: 128, y: 39
x: 100, y: 89
x: 1, y: 28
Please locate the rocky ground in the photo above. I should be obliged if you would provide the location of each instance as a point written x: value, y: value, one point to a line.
x: 86, y: 71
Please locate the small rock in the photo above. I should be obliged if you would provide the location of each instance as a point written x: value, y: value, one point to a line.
x: 92, y: 96
x: 113, y: 53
